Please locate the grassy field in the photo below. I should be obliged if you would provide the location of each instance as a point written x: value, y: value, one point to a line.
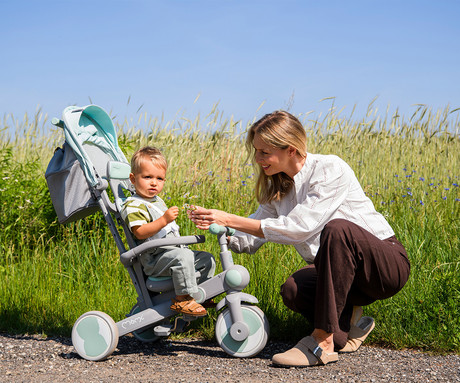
x: 50, y: 274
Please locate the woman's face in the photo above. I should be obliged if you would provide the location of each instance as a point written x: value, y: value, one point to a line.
x: 272, y: 160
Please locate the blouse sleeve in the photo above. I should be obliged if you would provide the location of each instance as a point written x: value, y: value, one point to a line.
x: 317, y: 201
x: 247, y: 243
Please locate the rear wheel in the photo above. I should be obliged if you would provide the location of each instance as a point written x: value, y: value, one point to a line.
x: 258, y: 326
x: 94, y: 335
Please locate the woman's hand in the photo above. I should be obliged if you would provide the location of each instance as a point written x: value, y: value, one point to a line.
x: 203, y: 218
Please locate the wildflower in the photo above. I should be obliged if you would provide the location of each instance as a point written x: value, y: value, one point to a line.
x: 243, y: 183
x: 408, y: 175
x: 457, y: 199
x: 186, y: 206
x: 421, y: 203
x: 446, y: 189
x: 5, y: 178
x: 421, y: 179
x: 444, y: 198
x: 456, y: 185
x: 409, y: 193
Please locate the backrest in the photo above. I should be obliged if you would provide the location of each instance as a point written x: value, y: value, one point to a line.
x: 118, y: 177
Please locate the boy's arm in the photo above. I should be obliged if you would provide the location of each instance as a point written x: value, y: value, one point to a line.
x: 147, y: 230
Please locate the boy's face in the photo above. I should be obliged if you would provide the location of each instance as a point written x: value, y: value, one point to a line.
x: 150, y: 179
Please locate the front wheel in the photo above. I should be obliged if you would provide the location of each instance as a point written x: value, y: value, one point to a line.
x: 94, y: 335
x: 258, y: 332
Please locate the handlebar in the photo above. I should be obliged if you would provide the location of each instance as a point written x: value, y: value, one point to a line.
x: 218, y: 229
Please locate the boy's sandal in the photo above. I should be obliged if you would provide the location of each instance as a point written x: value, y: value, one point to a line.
x: 304, y: 354
x: 358, y: 333
x: 188, y: 308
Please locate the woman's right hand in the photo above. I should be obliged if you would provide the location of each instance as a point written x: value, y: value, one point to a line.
x: 203, y: 218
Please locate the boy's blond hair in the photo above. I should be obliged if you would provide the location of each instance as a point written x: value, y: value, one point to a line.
x: 148, y: 153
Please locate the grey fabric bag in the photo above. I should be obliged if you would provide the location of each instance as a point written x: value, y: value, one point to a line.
x: 69, y: 190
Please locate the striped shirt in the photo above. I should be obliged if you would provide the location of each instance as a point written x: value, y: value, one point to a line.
x: 326, y: 188
x: 137, y: 211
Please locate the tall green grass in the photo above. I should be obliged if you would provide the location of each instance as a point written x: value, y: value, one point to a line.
x: 50, y: 274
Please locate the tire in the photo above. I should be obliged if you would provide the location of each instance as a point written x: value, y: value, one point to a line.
x: 258, y: 332
x: 94, y: 335
x: 145, y: 335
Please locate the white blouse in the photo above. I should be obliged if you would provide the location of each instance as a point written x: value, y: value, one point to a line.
x: 326, y: 188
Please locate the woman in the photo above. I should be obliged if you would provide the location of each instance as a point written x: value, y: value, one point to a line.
x: 315, y: 203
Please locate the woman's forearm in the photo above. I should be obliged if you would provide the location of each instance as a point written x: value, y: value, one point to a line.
x: 246, y: 225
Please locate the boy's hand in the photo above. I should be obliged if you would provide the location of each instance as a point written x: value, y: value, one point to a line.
x: 171, y: 214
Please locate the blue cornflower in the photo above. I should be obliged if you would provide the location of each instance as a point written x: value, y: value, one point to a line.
x: 456, y: 185
x: 409, y: 193
x: 421, y: 179
x: 446, y: 189
x: 408, y: 175
x: 421, y: 202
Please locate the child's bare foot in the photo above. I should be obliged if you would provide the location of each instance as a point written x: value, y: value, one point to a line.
x: 185, y: 304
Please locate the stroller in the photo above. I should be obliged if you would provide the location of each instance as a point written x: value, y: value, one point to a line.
x: 79, y: 176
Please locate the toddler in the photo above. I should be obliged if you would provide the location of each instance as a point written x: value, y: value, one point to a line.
x: 148, y: 217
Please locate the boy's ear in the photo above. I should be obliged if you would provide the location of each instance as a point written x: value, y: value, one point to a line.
x: 132, y: 178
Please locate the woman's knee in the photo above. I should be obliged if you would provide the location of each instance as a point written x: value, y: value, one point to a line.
x: 288, y: 292
x: 336, y: 226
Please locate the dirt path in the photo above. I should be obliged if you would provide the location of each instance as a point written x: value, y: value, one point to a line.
x: 36, y: 359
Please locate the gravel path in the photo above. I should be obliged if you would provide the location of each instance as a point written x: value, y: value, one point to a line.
x: 37, y: 359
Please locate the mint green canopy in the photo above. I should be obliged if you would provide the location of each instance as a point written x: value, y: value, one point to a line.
x: 91, y: 128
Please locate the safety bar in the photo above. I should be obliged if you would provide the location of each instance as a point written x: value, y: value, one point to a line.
x: 127, y: 257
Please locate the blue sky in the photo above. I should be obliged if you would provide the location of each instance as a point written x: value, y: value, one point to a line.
x: 285, y: 54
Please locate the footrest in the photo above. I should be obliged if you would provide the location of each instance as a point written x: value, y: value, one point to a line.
x: 163, y: 330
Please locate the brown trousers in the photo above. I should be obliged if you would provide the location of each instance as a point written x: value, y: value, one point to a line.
x: 352, y: 268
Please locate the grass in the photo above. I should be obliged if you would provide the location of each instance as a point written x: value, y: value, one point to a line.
x: 51, y: 274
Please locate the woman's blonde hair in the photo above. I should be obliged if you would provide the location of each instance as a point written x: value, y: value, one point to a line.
x: 279, y: 130
x: 148, y: 153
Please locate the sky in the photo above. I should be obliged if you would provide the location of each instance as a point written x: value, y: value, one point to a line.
x: 250, y: 57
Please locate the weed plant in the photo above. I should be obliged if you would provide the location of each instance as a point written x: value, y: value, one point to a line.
x: 50, y: 274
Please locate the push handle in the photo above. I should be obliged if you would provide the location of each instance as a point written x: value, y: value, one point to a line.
x: 56, y: 121
x: 218, y: 229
